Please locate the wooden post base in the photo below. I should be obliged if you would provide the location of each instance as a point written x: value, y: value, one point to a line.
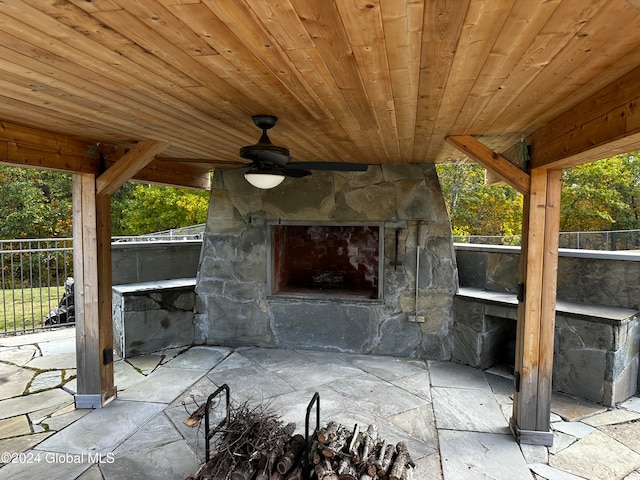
x: 531, y: 437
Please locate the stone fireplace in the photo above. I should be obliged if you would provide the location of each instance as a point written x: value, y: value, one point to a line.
x: 357, y: 262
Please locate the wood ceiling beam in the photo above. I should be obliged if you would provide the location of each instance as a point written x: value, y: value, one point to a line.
x: 606, y: 124
x: 506, y: 170
x: 31, y: 147
x: 128, y: 165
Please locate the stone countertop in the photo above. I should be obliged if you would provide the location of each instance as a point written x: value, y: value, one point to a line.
x: 155, y: 285
x: 602, y: 312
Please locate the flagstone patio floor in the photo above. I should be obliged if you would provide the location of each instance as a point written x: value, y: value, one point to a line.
x: 453, y: 418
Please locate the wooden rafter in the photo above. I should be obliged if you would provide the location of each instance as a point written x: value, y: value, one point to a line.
x: 511, y: 174
x: 128, y: 165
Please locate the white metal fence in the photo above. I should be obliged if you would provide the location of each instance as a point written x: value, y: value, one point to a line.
x: 32, y: 276
x: 33, y: 273
x: 613, y: 240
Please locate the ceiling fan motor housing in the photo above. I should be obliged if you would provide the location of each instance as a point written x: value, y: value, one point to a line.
x: 252, y: 152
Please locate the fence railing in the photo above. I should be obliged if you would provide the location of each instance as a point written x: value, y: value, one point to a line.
x: 613, y: 240
x: 32, y: 275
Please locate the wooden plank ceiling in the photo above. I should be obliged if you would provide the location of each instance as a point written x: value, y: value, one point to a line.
x: 368, y: 81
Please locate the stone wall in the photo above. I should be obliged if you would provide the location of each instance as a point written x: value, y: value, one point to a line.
x: 584, y: 276
x: 236, y: 307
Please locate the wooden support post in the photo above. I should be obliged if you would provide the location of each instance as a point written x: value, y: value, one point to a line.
x: 92, y: 283
x: 536, y: 310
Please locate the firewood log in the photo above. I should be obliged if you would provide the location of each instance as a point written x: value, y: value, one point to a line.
x: 366, y: 476
x: 346, y: 470
x: 338, y: 442
x: 295, y: 473
x: 243, y: 471
x: 276, y: 475
x: 381, y: 448
x: 325, y: 472
x: 369, y: 441
x: 196, y: 417
x: 328, y: 433
x: 407, y: 474
x: 386, y: 460
x: 400, y: 462
x: 291, y: 455
x: 354, y: 445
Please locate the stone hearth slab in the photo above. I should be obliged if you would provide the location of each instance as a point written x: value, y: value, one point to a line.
x: 164, y: 385
x: 102, y: 430
x: 468, y: 409
x: 472, y: 455
x: 595, y: 457
x: 447, y: 374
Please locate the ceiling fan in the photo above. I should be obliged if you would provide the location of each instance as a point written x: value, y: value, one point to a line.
x: 271, y: 163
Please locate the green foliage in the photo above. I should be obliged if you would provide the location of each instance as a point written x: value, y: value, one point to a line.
x: 141, y: 209
x: 602, y: 195
x: 476, y: 208
x: 34, y: 203
x: 38, y: 204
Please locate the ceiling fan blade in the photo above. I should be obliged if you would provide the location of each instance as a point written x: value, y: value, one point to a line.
x: 335, y: 166
x: 275, y: 158
x: 294, y: 172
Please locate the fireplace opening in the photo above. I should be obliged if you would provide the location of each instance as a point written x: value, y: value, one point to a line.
x: 326, y: 260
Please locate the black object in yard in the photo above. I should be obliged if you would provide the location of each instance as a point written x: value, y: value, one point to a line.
x: 65, y: 312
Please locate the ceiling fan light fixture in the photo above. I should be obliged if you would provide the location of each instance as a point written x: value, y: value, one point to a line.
x: 263, y: 179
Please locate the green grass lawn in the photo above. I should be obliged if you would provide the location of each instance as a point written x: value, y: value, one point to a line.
x: 23, y: 309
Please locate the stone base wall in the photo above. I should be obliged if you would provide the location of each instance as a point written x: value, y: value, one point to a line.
x: 596, y: 348
x: 236, y: 307
x: 152, y: 316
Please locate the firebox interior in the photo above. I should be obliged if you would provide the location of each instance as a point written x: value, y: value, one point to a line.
x: 326, y: 260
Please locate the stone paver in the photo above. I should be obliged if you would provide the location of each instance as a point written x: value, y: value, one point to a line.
x: 14, y: 380
x: 595, y: 457
x: 575, y: 429
x: 46, y: 381
x: 102, y: 430
x: 468, y: 409
x: 468, y: 455
x: 56, y: 398
x: 611, y: 417
x: 14, y: 426
x: 627, y: 433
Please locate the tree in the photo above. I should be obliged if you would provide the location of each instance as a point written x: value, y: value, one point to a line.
x: 34, y: 203
x: 143, y: 208
x: 476, y: 208
x: 38, y: 204
x: 602, y: 195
